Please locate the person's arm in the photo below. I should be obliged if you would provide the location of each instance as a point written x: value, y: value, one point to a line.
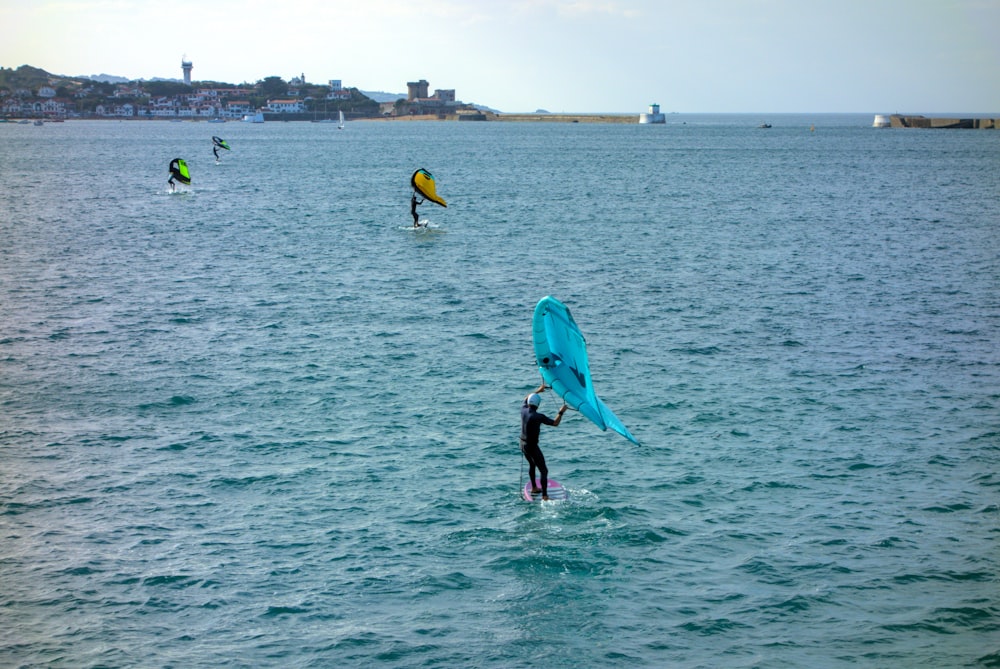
x: 559, y: 415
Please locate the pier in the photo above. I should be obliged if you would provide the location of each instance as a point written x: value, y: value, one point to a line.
x: 901, y: 121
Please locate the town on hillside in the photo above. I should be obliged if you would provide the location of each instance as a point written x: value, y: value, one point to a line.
x: 32, y: 93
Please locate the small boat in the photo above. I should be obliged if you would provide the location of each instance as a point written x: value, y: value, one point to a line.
x: 254, y: 118
x: 764, y: 125
x: 39, y: 123
x: 341, y: 125
x: 216, y: 120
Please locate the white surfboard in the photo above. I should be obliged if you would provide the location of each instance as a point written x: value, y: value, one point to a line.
x: 557, y: 493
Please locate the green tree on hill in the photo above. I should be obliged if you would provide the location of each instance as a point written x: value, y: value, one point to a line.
x: 166, y: 88
x: 272, y: 87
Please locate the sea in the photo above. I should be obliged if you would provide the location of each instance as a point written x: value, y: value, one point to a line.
x: 262, y: 421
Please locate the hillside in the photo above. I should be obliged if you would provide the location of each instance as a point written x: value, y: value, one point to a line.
x: 23, y: 94
x: 28, y: 77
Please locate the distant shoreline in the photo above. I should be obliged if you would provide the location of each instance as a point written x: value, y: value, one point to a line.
x: 897, y: 120
x: 485, y: 117
x: 495, y: 117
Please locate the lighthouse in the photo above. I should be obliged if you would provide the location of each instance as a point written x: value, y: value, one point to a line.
x: 653, y: 116
x: 186, y: 66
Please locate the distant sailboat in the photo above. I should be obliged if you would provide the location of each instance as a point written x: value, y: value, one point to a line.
x: 341, y: 125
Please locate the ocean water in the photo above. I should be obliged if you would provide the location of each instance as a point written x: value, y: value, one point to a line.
x: 263, y: 423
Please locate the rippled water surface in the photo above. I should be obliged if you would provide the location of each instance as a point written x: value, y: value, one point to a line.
x: 262, y: 423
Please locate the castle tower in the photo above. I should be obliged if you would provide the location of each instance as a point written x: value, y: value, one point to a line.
x: 186, y: 66
x: 416, y: 89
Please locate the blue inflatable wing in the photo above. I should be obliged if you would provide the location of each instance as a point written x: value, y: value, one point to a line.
x: 561, y: 354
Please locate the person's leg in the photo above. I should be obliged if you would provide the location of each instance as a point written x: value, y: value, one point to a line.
x: 537, y: 460
x: 543, y: 472
x: 529, y: 455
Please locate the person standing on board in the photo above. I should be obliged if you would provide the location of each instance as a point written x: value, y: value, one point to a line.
x: 413, y: 209
x: 531, y: 424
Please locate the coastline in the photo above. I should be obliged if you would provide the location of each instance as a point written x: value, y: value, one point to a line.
x: 305, y: 118
x: 893, y: 121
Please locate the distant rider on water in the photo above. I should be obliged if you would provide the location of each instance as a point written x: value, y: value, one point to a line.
x: 413, y: 209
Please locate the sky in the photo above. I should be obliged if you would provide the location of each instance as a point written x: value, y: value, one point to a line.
x: 575, y: 56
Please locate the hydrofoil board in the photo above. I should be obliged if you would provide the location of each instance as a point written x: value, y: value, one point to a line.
x: 556, y: 492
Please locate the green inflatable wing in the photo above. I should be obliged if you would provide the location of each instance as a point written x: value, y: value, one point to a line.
x: 179, y: 170
x: 561, y: 354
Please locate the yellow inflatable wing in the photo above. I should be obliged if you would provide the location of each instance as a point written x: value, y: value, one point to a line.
x: 423, y: 182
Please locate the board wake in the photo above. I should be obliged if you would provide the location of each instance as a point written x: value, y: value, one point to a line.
x: 423, y: 226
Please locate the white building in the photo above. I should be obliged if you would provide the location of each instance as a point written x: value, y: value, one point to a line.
x: 285, y: 106
x: 337, y: 90
x: 162, y: 106
x: 120, y: 111
x: 238, y: 108
x: 56, y: 107
x: 9, y: 105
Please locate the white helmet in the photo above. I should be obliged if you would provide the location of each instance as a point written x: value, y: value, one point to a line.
x: 534, y: 399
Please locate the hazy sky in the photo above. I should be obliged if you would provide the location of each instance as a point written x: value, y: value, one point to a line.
x: 875, y: 56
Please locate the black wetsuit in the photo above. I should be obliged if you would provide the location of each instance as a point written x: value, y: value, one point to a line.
x: 413, y: 208
x: 531, y: 424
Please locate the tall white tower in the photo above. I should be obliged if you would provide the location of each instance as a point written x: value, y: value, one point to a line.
x: 654, y: 115
x: 186, y: 65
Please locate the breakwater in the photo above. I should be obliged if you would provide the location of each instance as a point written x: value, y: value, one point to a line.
x: 901, y: 121
x: 494, y: 116
x: 567, y: 118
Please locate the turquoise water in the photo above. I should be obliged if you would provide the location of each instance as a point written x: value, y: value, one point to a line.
x: 262, y: 423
